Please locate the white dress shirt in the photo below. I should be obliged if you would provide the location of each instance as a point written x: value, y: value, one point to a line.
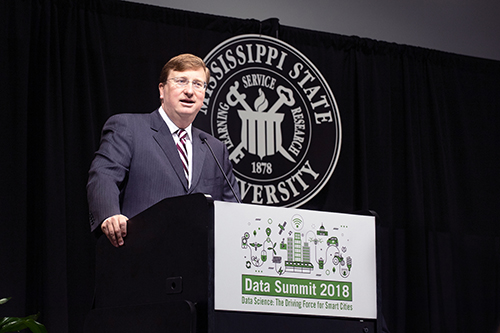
x: 189, y: 143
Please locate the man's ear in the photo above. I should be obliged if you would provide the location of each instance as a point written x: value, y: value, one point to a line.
x: 160, y: 89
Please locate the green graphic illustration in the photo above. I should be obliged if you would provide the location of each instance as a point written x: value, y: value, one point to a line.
x: 322, y: 231
x: 305, y: 249
x: 282, y: 227
x: 297, y: 222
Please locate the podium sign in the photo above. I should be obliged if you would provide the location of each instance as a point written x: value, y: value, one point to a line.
x: 291, y: 261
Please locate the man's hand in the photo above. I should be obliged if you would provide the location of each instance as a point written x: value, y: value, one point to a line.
x: 115, y: 228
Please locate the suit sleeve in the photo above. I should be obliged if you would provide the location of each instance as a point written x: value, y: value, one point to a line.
x: 109, y: 170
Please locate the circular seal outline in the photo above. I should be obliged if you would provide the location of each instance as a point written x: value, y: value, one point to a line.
x: 331, y: 98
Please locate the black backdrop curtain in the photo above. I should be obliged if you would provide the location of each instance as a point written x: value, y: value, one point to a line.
x: 419, y: 146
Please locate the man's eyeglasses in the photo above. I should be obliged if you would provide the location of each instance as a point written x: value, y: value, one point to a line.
x: 181, y: 82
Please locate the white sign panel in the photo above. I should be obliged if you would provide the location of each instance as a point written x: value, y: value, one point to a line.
x: 292, y: 261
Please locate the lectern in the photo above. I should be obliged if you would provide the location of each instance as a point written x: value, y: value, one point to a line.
x: 190, y: 264
x: 161, y: 279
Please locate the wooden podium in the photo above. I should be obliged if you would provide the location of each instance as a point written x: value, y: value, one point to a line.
x: 162, y: 279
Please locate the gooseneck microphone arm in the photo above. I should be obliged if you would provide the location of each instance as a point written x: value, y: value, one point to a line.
x: 203, y: 138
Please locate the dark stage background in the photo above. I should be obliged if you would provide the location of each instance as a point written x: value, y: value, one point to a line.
x: 420, y: 135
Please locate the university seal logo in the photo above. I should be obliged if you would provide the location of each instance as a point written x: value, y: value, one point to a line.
x: 277, y: 116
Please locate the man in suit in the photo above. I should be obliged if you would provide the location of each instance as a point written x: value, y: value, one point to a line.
x: 138, y: 162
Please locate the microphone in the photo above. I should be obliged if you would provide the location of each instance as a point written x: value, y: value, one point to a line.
x: 203, y: 138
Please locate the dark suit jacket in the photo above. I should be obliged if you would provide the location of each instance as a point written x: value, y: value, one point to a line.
x: 137, y: 165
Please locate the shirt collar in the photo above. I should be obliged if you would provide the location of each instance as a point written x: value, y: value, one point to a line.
x: 173, y: 127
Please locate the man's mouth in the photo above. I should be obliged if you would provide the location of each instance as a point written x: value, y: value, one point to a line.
x: 187, y: 102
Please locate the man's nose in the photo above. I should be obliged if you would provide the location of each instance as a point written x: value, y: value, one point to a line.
x: 188, y: 89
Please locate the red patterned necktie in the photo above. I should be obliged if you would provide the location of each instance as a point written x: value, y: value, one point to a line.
x: 181, y: 147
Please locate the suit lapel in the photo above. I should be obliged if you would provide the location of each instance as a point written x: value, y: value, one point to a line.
x: 163, y: 137
x: 199, y: 152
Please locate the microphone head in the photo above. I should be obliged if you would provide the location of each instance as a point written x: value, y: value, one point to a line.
x: 203, y: 136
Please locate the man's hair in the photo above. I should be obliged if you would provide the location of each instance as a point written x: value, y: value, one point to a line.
x: 181, y: 63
